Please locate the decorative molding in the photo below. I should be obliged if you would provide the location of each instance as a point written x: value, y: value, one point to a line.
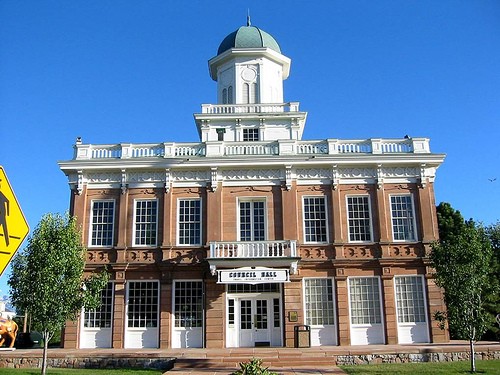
x: 380, y: 176
x: 357, y: 173
x: 124, y: 181
x: 153, y: 176
x: 253, y: 174
x: 335, y: 177
x: 313, y: 173
x: 79, y: 183
x: 103, y: 177
x: 168, y: 182
x: 191, y: 175
x: 400, y: 171
x: 288, y: 177
x: 214, y: 178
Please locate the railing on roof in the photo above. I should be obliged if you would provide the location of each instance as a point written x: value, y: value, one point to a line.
x: 249, y: 108
x: 270, y: 148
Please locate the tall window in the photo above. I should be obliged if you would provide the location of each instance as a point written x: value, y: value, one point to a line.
x: 146, y: 217
x: 230, y: 95
x: 364, y: 296
x: 252, y: 220
x: 142, y: 304
x: 250, y: 135
x: 410, y: 299
x: 315, y: 223
x: 319, y: 302
x: 358, y: 212
x: 189, y: 223
x: 403, y: 218
x: 188, y: 304
x: 101, y: 317
x: 102, y: 223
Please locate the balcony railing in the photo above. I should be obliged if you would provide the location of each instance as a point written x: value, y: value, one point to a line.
x: 258, y: 249
x: 249, y: 108
x: 279, y: 147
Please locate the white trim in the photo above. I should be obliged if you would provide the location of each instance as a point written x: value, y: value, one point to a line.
x: 134, y: 222
x: 238, y: 214
x: 405, y: 329
x: 414, y: 221
x: 91, y: 222
x: 369, y: 217
x: 131, y: 332
x: 378, y: 329
x: 178, y: 221
x: 327, y: 221
x: 181, y: 337
x: 316, y: 333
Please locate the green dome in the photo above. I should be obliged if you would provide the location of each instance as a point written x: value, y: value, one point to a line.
x: 248, y: 37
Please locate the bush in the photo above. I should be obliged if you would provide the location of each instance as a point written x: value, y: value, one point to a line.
x: 254, y: 367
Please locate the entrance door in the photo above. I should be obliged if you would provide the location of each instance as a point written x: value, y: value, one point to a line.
x: 255, y: 321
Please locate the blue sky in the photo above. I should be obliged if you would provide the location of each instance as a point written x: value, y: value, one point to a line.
x: 136, y: 71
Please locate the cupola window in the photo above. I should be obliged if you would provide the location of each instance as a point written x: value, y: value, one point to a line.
x: 250, y: 135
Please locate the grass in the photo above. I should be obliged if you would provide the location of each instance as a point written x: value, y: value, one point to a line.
x: 58, y: 371
x: 427, y: 368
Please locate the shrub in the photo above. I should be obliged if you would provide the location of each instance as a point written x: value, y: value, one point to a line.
x: 253, y: 367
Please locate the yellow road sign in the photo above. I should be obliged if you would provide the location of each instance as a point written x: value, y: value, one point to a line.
x: 13, y: 225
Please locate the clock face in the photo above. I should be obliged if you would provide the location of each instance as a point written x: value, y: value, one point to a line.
x: 248, y: 74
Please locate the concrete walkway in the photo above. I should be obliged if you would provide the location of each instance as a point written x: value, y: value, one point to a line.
x: 285, y: 361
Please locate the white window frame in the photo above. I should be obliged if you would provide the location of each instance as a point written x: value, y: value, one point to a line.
x: 144, y: 318
x: 307, y: 318
x: 370, y: 223
x: 199, y: 222
x: 92, y: 318
x: 327, y: 224
x: 177, y: 319
x: 351, y: 302
x: 91, y: 232
x: 423, y: 307
x: 413, y: 219
x: 252, y: 200
x: 135, y: 238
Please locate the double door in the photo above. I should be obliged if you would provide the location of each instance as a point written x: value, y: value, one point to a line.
x: 254, y: 321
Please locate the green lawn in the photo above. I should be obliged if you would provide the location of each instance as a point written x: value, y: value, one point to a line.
x: 59, y: 371
x: 428, y: 368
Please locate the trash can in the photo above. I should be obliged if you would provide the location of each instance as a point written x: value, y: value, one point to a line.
x: 302, y: 336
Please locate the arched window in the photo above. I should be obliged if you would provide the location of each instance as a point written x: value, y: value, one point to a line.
x: 245, y: 97
x: 230, y: 95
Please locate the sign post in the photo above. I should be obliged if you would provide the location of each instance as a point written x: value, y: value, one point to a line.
x: 13, y: 225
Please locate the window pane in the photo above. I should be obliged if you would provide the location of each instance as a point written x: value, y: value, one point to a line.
x: 315, y: 226
x: 403, y: 219
x: 358, y: 211
x: 101, y: 317
x: 410, y: 299
x: 146, y: 222
x: 188, y: 304
x: 252, y: 221
x: 103, y: 213
x: 142, y: 304
x: 364, y: 298
x: 189, y: 222
x: 319, y: 302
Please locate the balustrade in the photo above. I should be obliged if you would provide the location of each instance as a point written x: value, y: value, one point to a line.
x: 259, y: 249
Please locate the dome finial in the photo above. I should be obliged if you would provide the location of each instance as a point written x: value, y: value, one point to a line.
x: 248, y: 18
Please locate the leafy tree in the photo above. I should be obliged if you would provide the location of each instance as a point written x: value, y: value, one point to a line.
x: 462, y: 264
x: 48, y: 280
x: 493, y: 303
x: 450, y: 222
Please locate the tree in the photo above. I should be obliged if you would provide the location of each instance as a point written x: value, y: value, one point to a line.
x: 493, y: 302
x: 462, y: 264
x: 48, y: 279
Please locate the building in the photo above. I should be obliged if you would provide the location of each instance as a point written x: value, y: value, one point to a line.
x: 252, y: 235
